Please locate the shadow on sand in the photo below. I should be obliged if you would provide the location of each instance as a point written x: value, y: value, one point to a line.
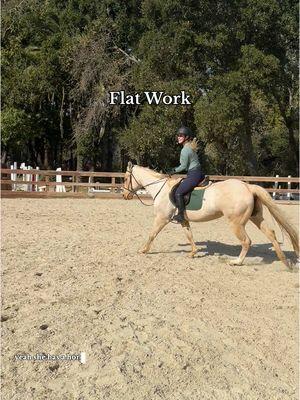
x: 211, y: 248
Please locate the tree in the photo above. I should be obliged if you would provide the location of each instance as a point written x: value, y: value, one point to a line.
x: 237, y: 60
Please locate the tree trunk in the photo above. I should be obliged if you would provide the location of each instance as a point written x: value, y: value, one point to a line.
x: 39, y: 160
x: 117, y: 159
x: 293, y: 145
x: 289, y: 124
x: 32, y: 156
x: 79, y: 162
x: 248, y: 150
x: 61, y: 127
x: 46, y: 155
x: 61, y: 114
x: 79, y: 159
x: 3, y: 156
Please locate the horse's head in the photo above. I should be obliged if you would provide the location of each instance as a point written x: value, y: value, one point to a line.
x: 131, y: 185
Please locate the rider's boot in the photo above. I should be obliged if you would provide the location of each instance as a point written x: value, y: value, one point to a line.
x: 181, y: 208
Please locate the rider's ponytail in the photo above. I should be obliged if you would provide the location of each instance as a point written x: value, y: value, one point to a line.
x: 193, y: 144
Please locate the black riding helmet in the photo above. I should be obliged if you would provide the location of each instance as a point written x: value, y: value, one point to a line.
x: 185, y: 131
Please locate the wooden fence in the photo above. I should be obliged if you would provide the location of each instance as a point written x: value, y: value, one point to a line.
x: 43, y: 183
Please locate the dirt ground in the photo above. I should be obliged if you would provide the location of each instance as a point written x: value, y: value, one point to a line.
x: 156, y: 326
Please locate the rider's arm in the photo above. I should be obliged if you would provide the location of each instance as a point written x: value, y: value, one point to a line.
x: 184, y: 161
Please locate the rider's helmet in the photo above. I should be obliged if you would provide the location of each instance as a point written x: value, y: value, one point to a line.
x: 186, y: 132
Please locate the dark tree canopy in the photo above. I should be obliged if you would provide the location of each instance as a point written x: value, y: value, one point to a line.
x: 238, y: 61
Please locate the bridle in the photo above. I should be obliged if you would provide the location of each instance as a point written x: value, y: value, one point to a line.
x: 134, y: 192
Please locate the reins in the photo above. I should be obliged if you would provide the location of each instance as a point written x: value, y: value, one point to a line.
x: 134, y: 192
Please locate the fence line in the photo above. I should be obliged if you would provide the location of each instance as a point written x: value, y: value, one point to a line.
x: 56, y: 183
x: 276, y: 178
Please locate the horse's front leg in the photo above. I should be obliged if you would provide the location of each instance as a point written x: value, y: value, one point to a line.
x: 187, y: 230
x: 159, y: 223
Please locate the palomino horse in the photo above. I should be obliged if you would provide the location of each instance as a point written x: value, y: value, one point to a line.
x: 237, y: 201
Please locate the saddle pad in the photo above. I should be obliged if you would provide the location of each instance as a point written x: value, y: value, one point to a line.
x: 193, y: 201
x: 196, y: 200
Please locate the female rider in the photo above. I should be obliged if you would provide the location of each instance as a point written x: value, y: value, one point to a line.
x: 188, y: 162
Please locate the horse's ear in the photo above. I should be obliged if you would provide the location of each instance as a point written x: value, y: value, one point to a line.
x: 129, y: 165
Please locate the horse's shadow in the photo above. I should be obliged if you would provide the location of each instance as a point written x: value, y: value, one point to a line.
x: 211, y: 248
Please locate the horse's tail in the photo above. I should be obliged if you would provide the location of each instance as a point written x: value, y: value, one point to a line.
x: 265, y: 198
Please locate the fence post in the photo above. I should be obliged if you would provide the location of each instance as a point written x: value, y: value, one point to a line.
x: 47, y: 182
x: 289, y: 187
x: 24, y: 178
x: 91, y: 180
x: 13, y: 176
x: 36, y: 179
x: 59, y: 188
x: 29, y: 178
x: 78, y: 180
x: 275, y: 187
x: 113, y: 184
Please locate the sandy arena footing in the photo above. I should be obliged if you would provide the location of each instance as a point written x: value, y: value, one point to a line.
x: 152, y: 327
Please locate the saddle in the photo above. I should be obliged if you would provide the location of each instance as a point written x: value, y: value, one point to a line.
x: 204, y: 184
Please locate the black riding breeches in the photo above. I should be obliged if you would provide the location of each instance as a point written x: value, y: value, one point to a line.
x: 194, y: 177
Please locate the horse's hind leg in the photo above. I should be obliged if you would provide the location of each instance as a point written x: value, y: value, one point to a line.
x: 259, y: 221
x: 159, y: 224
x: 241, y: 234
x: 188, y: 232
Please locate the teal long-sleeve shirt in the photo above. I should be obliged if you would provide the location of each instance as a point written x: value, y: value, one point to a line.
x: 188, y: 160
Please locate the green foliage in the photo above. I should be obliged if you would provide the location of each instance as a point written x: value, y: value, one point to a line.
x: 150, y: 139
x: 15, y: 127
x: 237, y: 60
x: 219, y: 120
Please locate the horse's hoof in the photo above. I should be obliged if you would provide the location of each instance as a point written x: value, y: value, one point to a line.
x: 191, y: 255
x: 292, y: 266
x: 235, y: 262
x: 143, y: 251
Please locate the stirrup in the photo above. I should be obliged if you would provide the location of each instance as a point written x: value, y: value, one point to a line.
x: 179, y: 218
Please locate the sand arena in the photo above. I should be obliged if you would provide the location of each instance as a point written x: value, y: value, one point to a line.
x: 155, y: 326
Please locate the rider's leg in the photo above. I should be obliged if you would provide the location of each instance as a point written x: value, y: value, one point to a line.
x: 186, y: 186
x: 179, y: 198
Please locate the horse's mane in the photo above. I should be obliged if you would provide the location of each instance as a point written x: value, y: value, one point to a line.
x: 152, y: 172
